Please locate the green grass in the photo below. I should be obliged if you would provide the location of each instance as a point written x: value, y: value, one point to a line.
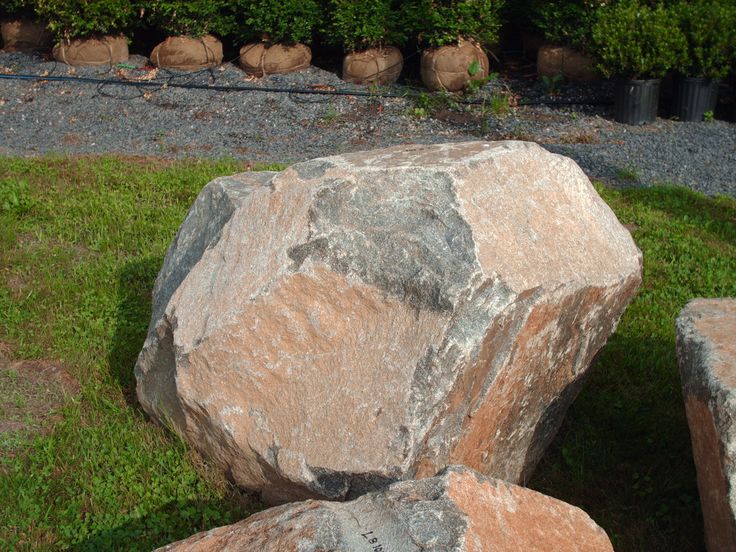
x: 81, y: 242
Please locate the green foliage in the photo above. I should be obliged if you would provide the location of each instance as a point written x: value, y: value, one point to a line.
x: 635, y: 41
x: 443, y: 22
x: 191, y: 17
x: 710, y: 30
x: 568, y: 22
x: 552, y: 84
x: 14, y: 197
x: 17, y: 8
x: 85, y: 18
x: 278, y: 21
x: 359, y: 25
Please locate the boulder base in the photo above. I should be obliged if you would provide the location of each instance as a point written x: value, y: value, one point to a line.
x: 107, y: 50
x: 370, y: 317
x: 707, y: 357
x: 458, y: 510
x: 373, y: 66
x: 447, y: 67
x: 24, y: 35
x: 262, y: 58
x: 187, y: 53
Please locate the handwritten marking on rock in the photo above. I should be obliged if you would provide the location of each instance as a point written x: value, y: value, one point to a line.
x: 373, y: 541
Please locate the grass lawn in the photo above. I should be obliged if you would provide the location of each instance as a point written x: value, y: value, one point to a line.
x: 81, y: 242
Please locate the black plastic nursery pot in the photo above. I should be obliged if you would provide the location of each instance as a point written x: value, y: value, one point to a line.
x: 695, y: 96
x: 635, y: 101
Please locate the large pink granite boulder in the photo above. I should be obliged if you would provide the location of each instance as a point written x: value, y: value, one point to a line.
x: 458, y: 510
x: 365, y: 318
x: 706, y: 348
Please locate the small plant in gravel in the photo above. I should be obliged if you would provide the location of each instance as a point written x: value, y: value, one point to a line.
x: 70, y: 19
x: 192, y: 18
x: 446, y: 22
x: 635, y: 41
x: 552, y: 84
x: 283, y: 22
x: 359, y: 25
x: 710, y: 32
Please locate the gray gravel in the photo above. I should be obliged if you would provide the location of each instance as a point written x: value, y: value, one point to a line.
x: 40, y: 117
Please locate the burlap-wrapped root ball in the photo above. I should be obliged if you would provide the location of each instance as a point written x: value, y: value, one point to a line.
x: 106, y: 50
x: 373, y: 66
x: 262, y: 58
x: 188, y: 53
x: 447, y: 67
x: 24, y: 35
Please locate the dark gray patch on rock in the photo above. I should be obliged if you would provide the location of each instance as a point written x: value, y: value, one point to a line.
x: 402, y: 235
x: 310, y: 170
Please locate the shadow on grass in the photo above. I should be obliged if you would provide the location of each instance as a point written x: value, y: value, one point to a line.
x: 176, y: 521
x: 135, y: 284
x: 623, y: 453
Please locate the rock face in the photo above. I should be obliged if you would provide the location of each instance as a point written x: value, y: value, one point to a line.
x: 707, y: 353
x: 456, y: 511
x: 356, y: 320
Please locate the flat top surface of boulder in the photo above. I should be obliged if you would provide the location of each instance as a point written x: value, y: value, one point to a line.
x: 712, y: 324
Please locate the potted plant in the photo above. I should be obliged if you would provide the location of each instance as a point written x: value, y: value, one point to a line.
x: 369, y: 32
x: 710, y: 30
x: 279, y: 31
x: 88, y: 33
x: 189, y: 45
x: 637, y: 45
x: 567, y: 26
x: 455, y: 32
x: 19, y: 29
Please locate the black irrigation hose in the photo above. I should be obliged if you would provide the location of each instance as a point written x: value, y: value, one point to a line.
x: 281, y: 90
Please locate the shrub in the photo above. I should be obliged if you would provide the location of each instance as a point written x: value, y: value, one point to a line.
x: 710, y: 30
x: 359, y: 25
x: 84, y: 18
x: 191, y: 17
x: 634, y: 41
x: 567, y: 22
x: 442, y: 22
x: 17, y: 8
x: 285, y: 21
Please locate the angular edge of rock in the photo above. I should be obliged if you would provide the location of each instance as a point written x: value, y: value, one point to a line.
x: 706, y: 351
x: 458, y: 510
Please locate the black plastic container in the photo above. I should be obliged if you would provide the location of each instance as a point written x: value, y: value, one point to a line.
x: 635, y: 101
x: 695, y: 96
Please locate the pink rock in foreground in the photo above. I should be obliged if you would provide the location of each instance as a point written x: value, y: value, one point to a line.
x: 360, y: 319
x: 456, y: 511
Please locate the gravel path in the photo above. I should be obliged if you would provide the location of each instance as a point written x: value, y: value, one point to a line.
x: 40, y: 117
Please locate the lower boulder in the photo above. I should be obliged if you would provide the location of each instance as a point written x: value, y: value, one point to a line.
x: 457, y: 510
x: 707, y: 357
x: 360, y: 319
